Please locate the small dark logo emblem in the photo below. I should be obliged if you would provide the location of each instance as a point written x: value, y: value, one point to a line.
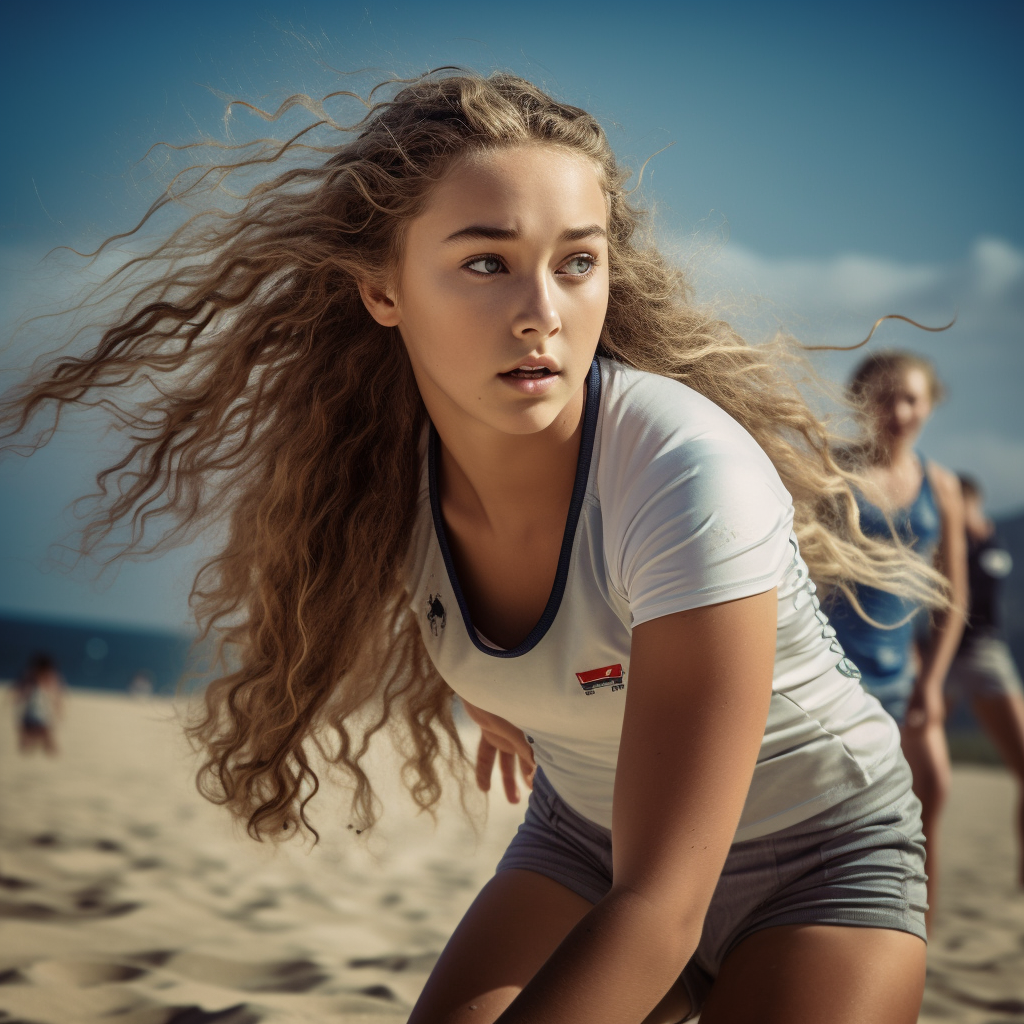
x: 436, y: 615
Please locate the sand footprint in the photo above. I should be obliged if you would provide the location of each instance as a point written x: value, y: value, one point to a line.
x: 15, y: 884
x: 91, y: 902
x: 270, y: 976
x: 407, y: 973
x: 82, y: 973
x: 57, y: 879
x: 277, y: 977
x: 93, y: 988
x: 420, y: 963
x: 983, y: 998
x: 240, y: 1014
x: 104, y: 997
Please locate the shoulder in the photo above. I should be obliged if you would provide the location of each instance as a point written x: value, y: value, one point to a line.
x: 640, y: 396
x: 693, y: 510
x: 654, y: 425
x: 946, y: 488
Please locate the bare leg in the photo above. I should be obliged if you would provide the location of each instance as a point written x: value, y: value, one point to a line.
x: 513, y: 926
x: 928, y: 756
x: 1003, y: 719
x: 800, y: 974
x: 806, y: 974
x: 48, y: 742
x: 28, y: 740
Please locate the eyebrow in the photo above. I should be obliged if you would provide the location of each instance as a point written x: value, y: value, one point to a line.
x: 492, y: 234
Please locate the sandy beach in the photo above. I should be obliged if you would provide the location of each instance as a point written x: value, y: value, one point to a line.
x: 124, y: 896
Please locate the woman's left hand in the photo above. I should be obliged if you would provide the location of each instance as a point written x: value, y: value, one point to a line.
x: 927, y: 708
x: 501, y: 737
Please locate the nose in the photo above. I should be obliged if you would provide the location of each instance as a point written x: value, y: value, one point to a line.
x: 903, y: 413
x: 536, y: 318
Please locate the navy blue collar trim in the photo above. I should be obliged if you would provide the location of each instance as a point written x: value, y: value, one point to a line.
x: 579, y: 491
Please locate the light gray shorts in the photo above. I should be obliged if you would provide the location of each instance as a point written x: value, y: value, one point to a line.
x: 860, y: 863
x: 983, y: 669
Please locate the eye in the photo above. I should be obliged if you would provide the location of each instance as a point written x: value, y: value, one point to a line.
x: 486, y: 265
x: 579, y: 266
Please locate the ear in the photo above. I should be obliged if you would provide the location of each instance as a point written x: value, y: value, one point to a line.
x: 380, y: 303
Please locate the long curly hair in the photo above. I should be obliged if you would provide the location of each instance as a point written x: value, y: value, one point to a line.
x: 256, y: 393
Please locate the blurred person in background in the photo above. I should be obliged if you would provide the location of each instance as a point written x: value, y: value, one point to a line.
x: 917, y: 503
x: 141, y: 685
x: 983, y: 670
x: 38, y: 697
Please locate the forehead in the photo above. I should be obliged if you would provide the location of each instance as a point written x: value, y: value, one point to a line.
x: 901, y: 380
x: 524, y: 188
x: 915, y: 380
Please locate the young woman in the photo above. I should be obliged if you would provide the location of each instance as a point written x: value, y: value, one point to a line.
x: 983, y: 670
x: 469, y: 434
x: 919, y: 502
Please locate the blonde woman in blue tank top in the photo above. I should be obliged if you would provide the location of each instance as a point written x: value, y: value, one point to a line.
x: 921, y: 502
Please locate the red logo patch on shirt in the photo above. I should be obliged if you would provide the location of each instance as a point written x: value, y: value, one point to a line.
x: 596, y: 678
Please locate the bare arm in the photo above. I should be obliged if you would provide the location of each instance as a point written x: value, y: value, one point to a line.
x: 926, y: 705
x: 697, y: 702
x: 57, y: 691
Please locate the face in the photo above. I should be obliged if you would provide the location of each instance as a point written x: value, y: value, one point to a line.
x: 902, y: 411
x: 503, y: 289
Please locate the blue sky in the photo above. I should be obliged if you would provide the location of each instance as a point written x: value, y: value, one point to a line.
x: 831, y: 163
x: 813, y: 128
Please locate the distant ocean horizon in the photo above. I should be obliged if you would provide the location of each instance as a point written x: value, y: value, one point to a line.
x: 96, y: 655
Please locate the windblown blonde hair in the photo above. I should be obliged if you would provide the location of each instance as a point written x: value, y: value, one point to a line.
x: 280, y: 409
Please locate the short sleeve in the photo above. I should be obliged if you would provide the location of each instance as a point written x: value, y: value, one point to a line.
x: 694, y: 512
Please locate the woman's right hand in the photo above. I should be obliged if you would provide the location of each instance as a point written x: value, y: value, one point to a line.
x: 501, y: 737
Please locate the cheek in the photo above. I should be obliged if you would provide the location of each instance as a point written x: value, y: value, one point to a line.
x: 443, y: 305
x: 590, y: 306
x: 429, y: 315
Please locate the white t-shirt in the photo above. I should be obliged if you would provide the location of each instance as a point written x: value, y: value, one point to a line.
x: 674, y: 507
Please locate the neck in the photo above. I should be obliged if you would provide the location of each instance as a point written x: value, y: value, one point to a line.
x: 506, y: 478
x: 891, y: 454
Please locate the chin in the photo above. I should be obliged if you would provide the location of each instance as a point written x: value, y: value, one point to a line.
x: 526, y: 423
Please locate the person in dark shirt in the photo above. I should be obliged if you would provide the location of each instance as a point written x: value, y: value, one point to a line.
x: 983, y: 670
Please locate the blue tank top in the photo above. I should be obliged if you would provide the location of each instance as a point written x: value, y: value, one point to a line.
x: 883, y: 655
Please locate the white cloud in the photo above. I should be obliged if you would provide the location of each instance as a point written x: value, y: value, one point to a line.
x: 998, y: 266
x: 846, y: 282
x: 856, y: 283
x: 835, y: 301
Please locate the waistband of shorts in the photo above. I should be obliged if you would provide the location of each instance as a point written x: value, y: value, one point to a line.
x: 890, y: 789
